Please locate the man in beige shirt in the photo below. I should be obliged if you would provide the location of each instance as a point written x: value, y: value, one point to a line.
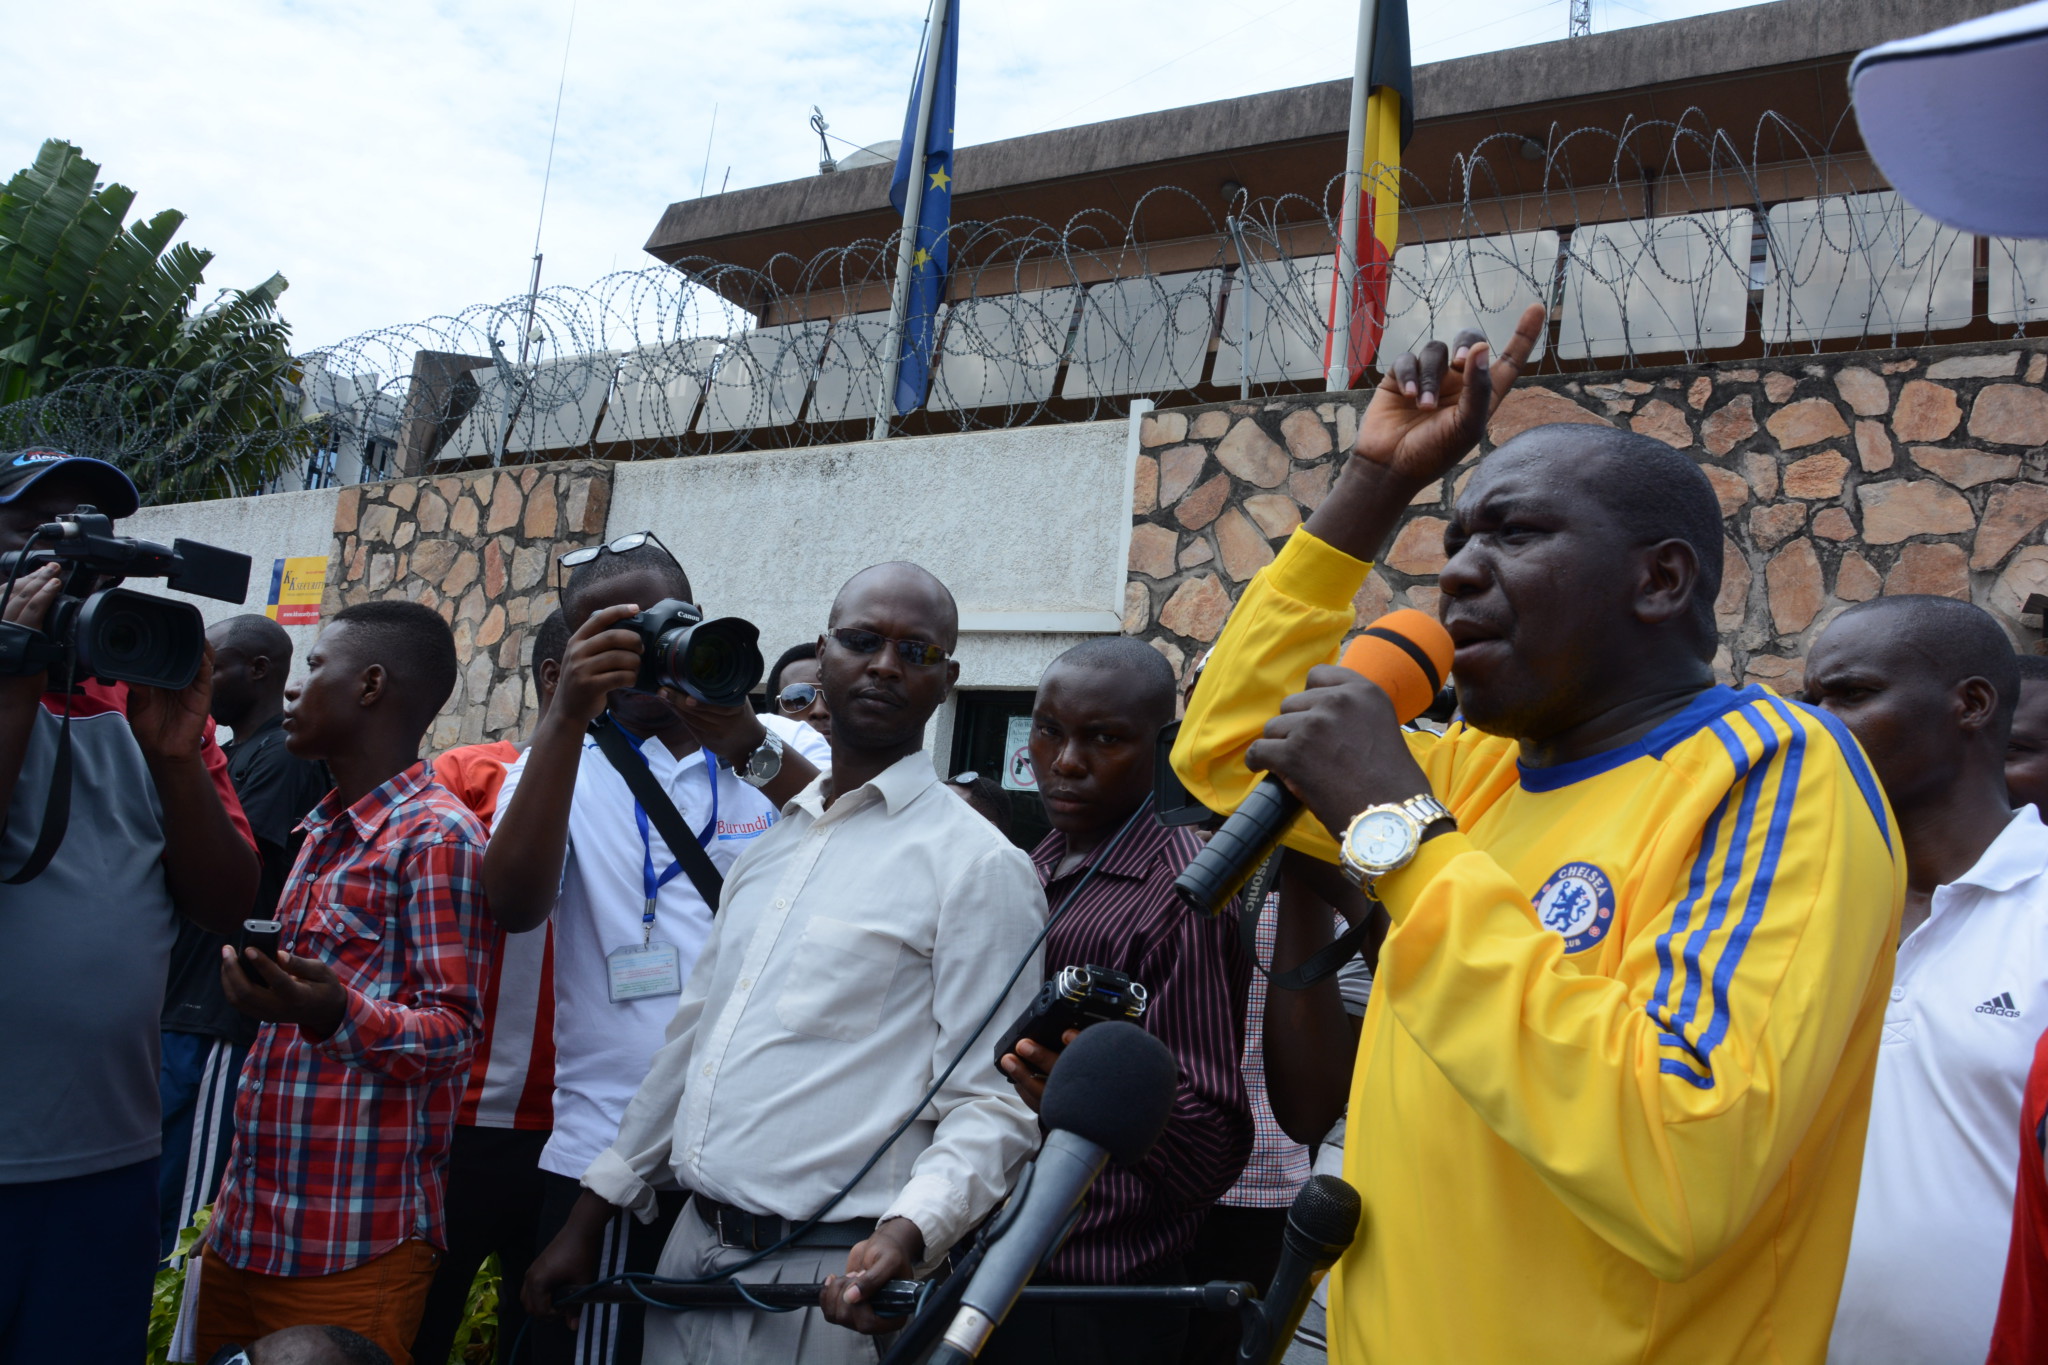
x: 859, y: 945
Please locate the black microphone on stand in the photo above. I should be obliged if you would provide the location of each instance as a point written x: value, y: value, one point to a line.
x: 1109, y: 1096
x: 1320, y: 1226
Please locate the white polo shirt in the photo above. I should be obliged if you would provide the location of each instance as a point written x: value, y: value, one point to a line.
x: 1934, y: 1214
x: 602, y: 1050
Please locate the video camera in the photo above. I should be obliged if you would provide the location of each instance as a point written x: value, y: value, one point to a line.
x: 112, y: 633
x: 717, y: 662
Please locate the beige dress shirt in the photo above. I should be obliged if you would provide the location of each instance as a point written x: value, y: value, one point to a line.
x: 855, y: 951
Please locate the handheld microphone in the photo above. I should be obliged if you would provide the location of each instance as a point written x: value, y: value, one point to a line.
x: 1409, y: 655
x: 1109, y: 1096
x: 1320, y: 1227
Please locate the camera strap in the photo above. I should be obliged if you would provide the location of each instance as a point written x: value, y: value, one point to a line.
x: 1322, y: 963
x: 57, y: 814
x: 660, y: 811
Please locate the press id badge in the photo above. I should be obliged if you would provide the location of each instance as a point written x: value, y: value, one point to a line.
x: 640, y: 973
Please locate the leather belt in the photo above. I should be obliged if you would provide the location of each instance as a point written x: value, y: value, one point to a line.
x: 743, y: 1231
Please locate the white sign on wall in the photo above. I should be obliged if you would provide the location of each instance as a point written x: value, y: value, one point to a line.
x: 1017, y: 774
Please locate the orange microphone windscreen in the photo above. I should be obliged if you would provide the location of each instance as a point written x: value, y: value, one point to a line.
x: 1408, y: 653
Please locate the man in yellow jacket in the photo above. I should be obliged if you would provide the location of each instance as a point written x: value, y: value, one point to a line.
x: 1611, y: 1093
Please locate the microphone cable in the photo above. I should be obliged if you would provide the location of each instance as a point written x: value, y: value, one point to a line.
x: 635, y: 1280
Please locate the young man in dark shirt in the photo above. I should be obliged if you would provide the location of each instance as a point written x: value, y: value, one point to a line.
x: 1094, y: 728
x: 204, y: 1037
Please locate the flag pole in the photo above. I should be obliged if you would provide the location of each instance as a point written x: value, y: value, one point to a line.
x: 913, y: 205
x: 1339, y: 376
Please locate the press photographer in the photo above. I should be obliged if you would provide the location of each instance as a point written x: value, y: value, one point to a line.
x: 619, y: 834
x: 151, y: 830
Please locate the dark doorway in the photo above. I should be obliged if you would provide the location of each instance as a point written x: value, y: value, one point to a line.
x: 984, y: 726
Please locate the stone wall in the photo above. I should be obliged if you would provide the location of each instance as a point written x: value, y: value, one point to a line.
x: 480, y: 549
x: 1840, y: 477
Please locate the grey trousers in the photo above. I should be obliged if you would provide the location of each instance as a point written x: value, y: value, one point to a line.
x: 747, y: 1336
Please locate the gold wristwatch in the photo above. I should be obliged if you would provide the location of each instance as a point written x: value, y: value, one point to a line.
x: 1380, y: 839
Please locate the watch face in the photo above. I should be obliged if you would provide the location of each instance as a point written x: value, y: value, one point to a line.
x: 1380, y: 839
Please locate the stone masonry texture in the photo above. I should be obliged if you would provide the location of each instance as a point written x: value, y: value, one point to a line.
x: 1840, y: 478
x: 479, y: 548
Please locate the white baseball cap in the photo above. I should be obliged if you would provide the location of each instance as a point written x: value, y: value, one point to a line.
x: 1954, y: 119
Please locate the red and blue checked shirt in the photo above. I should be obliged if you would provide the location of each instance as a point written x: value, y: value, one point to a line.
x: 341, y: 1144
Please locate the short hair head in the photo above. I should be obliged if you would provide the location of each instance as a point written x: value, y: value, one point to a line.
x: 413, y: 645
x: 313, y: 1344
x: 646, y: 559
x: 1951, y: 641
x: 1153, y: 689
x: 794, y: 654
x: 550, y: 641
x: 2032, y: 667
x: 1652, y: 492
x: 356, y: 1348
x: 251, y: 634
x: 987, y: 797
x: 910, y: 583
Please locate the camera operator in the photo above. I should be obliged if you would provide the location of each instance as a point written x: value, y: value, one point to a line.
x: 154, y: 832
x: 858, y: 945
x: 1095, y: 727
x: 1612, y: 1085
x: 571, y: 842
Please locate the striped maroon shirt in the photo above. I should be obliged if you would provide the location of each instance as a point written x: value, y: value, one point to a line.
x: 1140, y: 1219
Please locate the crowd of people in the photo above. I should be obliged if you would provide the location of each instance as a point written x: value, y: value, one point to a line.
x: 1687, y: 1022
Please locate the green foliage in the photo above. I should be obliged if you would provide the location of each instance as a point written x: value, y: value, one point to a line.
x: 170, y: 1289
x: 476, y: 1340
x: 84, y: 294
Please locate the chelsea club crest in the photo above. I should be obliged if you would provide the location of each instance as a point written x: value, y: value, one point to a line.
x: 1577, y: 901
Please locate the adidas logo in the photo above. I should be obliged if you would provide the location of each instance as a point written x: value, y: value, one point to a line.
x: 2000, y: 1005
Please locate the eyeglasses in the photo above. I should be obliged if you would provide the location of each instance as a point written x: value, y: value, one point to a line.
x: 796, y: 697
x: 616, y: 547
x: 867, y: 642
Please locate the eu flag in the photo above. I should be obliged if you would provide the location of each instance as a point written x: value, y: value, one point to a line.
x: 928, y: 261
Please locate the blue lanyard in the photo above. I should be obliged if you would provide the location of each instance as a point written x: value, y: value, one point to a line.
x: 649, y: 881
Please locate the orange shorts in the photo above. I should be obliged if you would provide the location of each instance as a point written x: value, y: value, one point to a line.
x: 382, y: 1298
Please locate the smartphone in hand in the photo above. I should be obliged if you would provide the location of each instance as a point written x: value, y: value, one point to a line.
x: 262, y: 935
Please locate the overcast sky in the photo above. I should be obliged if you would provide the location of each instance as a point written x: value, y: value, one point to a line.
x: 387, y: 155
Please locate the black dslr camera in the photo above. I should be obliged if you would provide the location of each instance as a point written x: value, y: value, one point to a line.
x: 113, y: 633
x: 717, y: 662
x: 1076, y: 998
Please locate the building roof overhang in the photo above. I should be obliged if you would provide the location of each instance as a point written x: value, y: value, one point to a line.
x: 1718, y: 71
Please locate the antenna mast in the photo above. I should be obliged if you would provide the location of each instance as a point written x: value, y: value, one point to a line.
x: 826, y: 165
x: 1582, y: 19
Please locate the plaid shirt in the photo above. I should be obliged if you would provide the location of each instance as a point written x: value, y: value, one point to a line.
x: 1279, y: 1165
x: 341, y: 1144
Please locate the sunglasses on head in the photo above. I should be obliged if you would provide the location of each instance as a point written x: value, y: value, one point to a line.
x: 796, y: 697
x: 868, y: 642
x: 966, y: 779
x: 614, y: 547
